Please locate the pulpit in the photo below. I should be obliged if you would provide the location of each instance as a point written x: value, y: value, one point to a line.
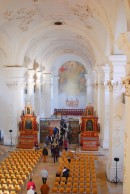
x: 28, y: 129
x: 89, y: 130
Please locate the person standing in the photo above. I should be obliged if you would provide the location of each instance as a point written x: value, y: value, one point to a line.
x: 65, y: 144
x: 45, y: 154
x: 52, y: 150
x: 65, y: 172
x: 55, y: 153
x: 44, y: 175
x: 45, y: 188
x: 31, y: 184
x: 30, y: 190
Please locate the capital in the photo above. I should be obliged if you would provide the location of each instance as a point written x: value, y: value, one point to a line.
x: 117, y: 85
x: 31, y: 73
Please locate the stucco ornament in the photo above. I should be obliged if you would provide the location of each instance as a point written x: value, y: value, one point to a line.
x: 117, y: 85
x: 84, y: 12
x: 24, y: 16
x: 126, y: 83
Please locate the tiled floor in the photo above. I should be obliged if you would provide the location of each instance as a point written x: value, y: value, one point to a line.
x: 104, y: 187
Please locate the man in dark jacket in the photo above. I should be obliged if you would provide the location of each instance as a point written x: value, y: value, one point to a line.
x: 45, y: 154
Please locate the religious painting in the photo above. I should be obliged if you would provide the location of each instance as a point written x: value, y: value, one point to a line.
x: 28, y: 124
x: 89, y: 125
x: 72, y: 82
x: 46, y: 125
x: 73, y: 131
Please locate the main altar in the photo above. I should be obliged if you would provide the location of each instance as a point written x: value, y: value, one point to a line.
x: 89, y: 136
x: 28, y: 129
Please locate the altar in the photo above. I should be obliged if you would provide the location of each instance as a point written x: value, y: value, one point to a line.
x: 28, y: 129
x: 89, y: 138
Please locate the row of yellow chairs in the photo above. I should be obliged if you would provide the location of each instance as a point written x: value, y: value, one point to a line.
x: 7, y: 192
x: 15, y: 170
x: 74, y: 190
x: 82, y: 176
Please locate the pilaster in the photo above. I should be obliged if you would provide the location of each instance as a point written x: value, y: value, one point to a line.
x: 104, y: 140
x: 30, y: 86
x: 46, y: 94
x: 38, y: 93
x: 126, y: 188
x: 89, y: 92
x: 15, y: 83
x: 116, y: 117
x: 55, y: 95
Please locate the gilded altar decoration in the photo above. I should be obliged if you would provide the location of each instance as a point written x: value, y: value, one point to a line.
x: 89, y: 130
x: 28, y: 129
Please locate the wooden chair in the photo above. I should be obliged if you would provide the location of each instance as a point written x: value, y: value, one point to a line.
x: 94, y: 185
x: 56, y: 184
x: 6, y: 192
x: 9, y: 181
x: 11, y: 187
x: 14, y: 181
x: 68, y: 190
x: 3, y: 181
x: 17, y: 188
x: 93, y: 180
x: 88, y: 185
x: 4, y: 187
x: 20, y: 182
x: 55, y: 190
x: 74, y: 190
x: 94, y: 191
x: 75, y: 184
x: 87, y: 180
x: 75, y: 179
x: 63, y: 179
x: 81, y: 184
x: 13, y: 192
x: 88, y: 190
x: 81, y: 180
x: 7, y: 176
x: 57, y: 179
x: 81, y: 190
x: 61, y: 189
x: 69, y: 179
x: 69, y: 184
x: 62, y: 183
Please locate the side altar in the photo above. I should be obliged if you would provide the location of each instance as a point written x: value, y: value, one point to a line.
x: 28, y: 129
x: 89, y: 139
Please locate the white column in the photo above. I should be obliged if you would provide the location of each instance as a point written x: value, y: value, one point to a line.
x: 55, y: 96
x: 126, y: 183
x: 38, y: 94
x: 104, y: 136
x: 30, y: 87
x: 116, y: 132
x: 116, y: 116
x: 46, y: 95
x: 15, y: 82
x: 89, y: 90
x: 100, y: 97
x: 95, y: 92
x: 124, y: 44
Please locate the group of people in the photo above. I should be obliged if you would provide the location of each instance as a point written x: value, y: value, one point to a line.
x: 57, y: 143
x: 31, y: 187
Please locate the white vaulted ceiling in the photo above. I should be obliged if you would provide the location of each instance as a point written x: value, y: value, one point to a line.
x: 28, y: 34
